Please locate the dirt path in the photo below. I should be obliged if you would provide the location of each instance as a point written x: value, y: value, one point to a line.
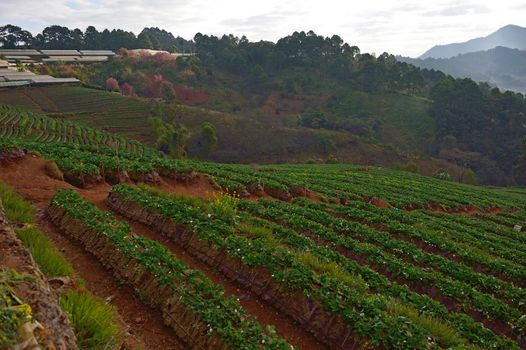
x: 145, y: 324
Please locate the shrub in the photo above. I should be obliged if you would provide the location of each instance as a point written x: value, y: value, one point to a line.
x: 332, y: 159
x: 112, y: 85
x: 225, y: 206
x: 410, y: 166
x: 469, y: 177
x: 51, y: 169
x: 442, y: 175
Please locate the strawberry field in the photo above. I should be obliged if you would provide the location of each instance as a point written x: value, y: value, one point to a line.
x: 356, y: 257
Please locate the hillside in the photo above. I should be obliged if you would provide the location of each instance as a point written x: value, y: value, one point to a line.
x: 510, y: 36
x: 501, y: 67
x: 241, y: 138
x: 304, y: 98
x: 388, y: 259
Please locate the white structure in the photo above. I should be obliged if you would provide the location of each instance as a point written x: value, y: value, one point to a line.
x: 153, y: 52
x: 10, y: 77
x: 28, y: 56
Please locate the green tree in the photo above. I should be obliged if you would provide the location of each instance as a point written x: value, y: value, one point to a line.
x: 208, y: 137
x: 168, y: 92
x: 171, y: 138
x: 12, y: 37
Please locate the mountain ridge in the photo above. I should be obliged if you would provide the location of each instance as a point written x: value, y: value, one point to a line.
x: 511, y: 36
x: 501, y: 67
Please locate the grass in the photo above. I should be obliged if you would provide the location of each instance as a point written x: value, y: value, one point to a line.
x: 93, y: 320
x: 445, y: 335
x: 51, y: 262
x: 16, y: 208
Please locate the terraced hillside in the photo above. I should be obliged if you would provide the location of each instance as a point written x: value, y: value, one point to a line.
x: 90, y: 107
x: 309, y: 256
x: 241, y: 138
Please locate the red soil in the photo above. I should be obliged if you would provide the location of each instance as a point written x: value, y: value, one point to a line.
x: 28, y: 178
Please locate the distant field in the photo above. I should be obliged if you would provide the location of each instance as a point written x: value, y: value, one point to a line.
x: 111, y: 112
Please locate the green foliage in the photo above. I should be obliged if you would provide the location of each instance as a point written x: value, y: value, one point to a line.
x: 13, y: 312
x: 410, y: 166
x: 446, y: 336
x: 170, y: 138
x: 16, y: 208
x: 49, y: 259
x: 469, y: 177
x: 442, y: 175
x: 94, y: 321
x: 313, y: 118
x: 208, y: 137
x: 224, y: 206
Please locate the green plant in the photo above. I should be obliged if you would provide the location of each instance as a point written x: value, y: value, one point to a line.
x: 93, y: 320
x: 48, y: 258
x: 224, y: 206
x: 53, y: 171
x: 16, y: 208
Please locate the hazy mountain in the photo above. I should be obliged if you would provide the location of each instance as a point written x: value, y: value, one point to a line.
x: 510, y: 36
x: 501, y: 66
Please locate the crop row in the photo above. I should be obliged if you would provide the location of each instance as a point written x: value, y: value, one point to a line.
x: 314, y: 298
x: 454, y: 246
x: 192, y: 305
x: 27, y: 123
x: 380, y: 251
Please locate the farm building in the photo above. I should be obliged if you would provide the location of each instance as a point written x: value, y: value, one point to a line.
x: 28, y: 56
x: 10, y: 77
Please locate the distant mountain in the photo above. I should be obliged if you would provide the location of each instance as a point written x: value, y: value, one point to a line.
x: 511, y: 36
x: 502, y: 67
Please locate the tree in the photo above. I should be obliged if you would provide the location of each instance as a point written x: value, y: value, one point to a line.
x: 313, y: 118
x: 170, y: 138
x: 519, y: 171
x: 208, y: 137
x: 144, y: 41
x: 57, y: 38
x: 92, y: 38
x: 12, y: 37
x: 168, y: 92
x: 112, y: 85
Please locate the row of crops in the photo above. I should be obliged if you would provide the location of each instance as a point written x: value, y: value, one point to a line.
x: 332, y: 183
x: 387, y: 292
x: 194, y: 306
x: 21, y: 124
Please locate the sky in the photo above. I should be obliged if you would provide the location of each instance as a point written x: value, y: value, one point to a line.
x: 401, y: 27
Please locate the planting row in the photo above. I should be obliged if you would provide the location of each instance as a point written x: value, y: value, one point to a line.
x: 327, y: 284
x: 192, y: 305
x: 18, y: 123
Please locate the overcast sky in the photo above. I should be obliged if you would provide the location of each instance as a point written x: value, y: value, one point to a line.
x: 398, y: 27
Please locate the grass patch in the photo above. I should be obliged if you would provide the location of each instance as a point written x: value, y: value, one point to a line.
x: 16, y: 208
x: 51, y: 262
x: 93, y: 320
x: 445, y: 335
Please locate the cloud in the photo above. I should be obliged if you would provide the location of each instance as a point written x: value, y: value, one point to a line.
x: 458, y: 10
x: 408, y: 27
